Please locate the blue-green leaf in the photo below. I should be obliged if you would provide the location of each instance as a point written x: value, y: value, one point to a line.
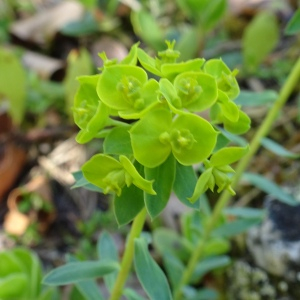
x: 193, y: 294
x: 270, y: 188
x: 235, y: 227
x: 149, y: 273
x: 163, y: 177
x: 167, y: 240
x: 247, y: 98
x: 233, y: 137
x: 89, y: 290
x: 210, y: 264
x: 84, y: 289
x: 278, y: 149
x: 245, y: 212
x: 82, y: 182
x: 107, y: 250
x: 78, y: 271
x: 174, y: 268
x: 130, y: 294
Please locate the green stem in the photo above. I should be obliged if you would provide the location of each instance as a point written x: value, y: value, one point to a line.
x: 243, y: 164
x: 126, y: 263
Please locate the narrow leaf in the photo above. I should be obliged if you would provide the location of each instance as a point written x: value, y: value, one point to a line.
x: 82, y: 182
x: 78, y: 271
x: 245, y: 212
x: 235, y: 227
x: 167, y: 240
x: 132, y: 295
x: 150, y: 275
x: 233, y: 137
x: 107, y: 251
x: 89, y: 290
x: 278, y: 149
x: 247, y: 98
x: 270, y: 188
x: 210, y: 264
x: 207, y: 294
x: 174, y: 268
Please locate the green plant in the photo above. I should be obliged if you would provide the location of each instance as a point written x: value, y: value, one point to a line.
x: 145, y: 159
x: 193, y: 21
x: 176, y: 249
x: 21, y: 275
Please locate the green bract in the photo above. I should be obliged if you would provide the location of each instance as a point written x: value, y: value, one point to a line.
x: 89, y: 113
x: 126, y: 89
x: 112, y: 175
x: 225, y: 77
x: 157, y: 134
x: 218, y: 171
x: 152, y: 134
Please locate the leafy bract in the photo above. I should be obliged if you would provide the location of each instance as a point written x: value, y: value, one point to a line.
x: 227, y: 156
x: 90, y: 114
x: 225, y: 77
x: 197, y: 91
x: 119, y: 87
x: 112, y: 175
x: 190, y: 138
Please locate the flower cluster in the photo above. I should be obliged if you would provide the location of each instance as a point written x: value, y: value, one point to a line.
x: 149, y: 119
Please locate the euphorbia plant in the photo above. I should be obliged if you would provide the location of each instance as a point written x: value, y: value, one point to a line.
x: 150, y: 120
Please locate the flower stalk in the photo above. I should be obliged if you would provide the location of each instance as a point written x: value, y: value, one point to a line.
x: 127, y: 259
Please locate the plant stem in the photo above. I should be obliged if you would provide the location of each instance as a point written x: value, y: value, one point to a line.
x: 265, y: 127
x: 126, y: 263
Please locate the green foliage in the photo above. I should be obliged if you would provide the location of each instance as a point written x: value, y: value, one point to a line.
x: 166, y: 136
x: 293, y: 27
x: 12, y: 84
x: 78, y: 271
x: 150, y: 275
x: 260, y: 38
x: 152, y: 136
x: 21, y: 275
x: 270, y: 188
x: 201, y: 17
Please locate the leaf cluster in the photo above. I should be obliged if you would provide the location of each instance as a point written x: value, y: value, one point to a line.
x: 149, y: 118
